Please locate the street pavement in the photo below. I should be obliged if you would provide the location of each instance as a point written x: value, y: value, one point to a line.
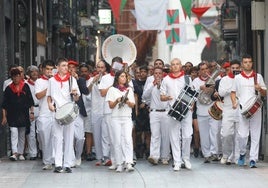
x: 24, y: 174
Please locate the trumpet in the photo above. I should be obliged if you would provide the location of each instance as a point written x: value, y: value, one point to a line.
x: 123, y: 100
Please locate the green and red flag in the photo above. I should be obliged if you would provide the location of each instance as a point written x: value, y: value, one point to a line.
x: 173, y: 16
x: 117, y: 7
x: 173, y: 35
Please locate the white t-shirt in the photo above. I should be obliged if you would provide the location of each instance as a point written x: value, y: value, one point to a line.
x: 36, y: 101
x: 202, y: 109
x: 97, y: 101
x: 152, y: 94
x: 40, y: 85
x: 60, y: 93
x: 245, y: 90
x: 173, y: 87
x: 113, y: 94
x: 225, y: 88
x: 106, y: 81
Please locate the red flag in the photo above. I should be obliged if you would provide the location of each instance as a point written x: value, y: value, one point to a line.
x: 208, y: 40
x: 199, y: 11
x: 115, y: 5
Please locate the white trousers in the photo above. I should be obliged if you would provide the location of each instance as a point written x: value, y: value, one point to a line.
x: 253, y: 127
x: 97, y: 134
x: 180, y: 133
x: 45, y: 127
x: 79, y: 136
x: 160, y: 143
x: 63, y: 143
x: 209, y: 129
x: 17, y: 139
x: 229, y: 132
x: 122, y: 139
x: 32, y: 145
x: 106, y: 137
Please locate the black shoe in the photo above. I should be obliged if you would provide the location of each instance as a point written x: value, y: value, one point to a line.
x: 196, y: 152
x: 68, y: 170
x: 58, y: 169
x: 207, y: 160
x: 32, y: 158
x: 91, y: 157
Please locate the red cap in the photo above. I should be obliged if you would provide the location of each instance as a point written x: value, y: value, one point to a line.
x: 72, y: 62
x: 226, y: 65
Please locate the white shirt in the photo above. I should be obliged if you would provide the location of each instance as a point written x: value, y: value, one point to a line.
x: 173, y: 87
x: 152, y: 94
x: 106, y: 81
x: 40, y: 85
x: 225, y: 88
x: 202, y: 109
x: 36, y: 101
x: 245, y: 90
x: 60, y: 94
x: 113, y: 94
x: 97, y: 101
x: 6, y: 83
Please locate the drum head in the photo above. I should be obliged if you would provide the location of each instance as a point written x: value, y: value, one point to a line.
x: 119, y: 45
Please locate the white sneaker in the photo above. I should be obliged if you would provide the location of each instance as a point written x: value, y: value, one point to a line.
x: 78, y: 162
x: 176, y: 167
x: 13, y: 157
x: 187, y: 164
x: 119, y: 168
x: 47, y: 167
x: 113, y: 167
x: 129, y: 167
x: 21, y: 158
x: 223, y: 160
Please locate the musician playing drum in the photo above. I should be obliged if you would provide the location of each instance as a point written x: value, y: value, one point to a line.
x: 60, y: 89
x: 179, y: 131
x: 249, y: 85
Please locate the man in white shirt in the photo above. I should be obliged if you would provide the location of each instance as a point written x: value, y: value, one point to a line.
x: 45, y: 118
x: 61, y: 89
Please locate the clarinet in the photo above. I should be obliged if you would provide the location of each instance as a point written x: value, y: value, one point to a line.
x: 123, y: 100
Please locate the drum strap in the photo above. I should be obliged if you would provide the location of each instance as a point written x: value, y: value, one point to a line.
x: 255, y: 82
x: 187, y: 79
x: 70, y: 86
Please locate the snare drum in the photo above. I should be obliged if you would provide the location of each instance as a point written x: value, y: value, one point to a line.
x: 251, y: 107
x: 67, y: 113
x: 215, y: 111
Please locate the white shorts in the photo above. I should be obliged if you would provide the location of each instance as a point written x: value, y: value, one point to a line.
x: 87, y: 124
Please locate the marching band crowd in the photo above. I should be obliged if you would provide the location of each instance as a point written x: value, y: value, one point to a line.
x: 161, y: 112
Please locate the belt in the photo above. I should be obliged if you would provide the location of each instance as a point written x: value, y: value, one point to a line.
x: 36, y: 105
x: 158, y: 110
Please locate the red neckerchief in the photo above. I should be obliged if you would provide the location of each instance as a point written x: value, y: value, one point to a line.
x: 16, y: 90
x: 121, y: 88
x: 171, y: 75
x: 165, y: 74
x: 30, y: 82
x: 203, y: 79
x: 112, y: 73
x: 58, y: 78
x: 88, y: 77
x: 231, y: 75
x: 44, y: 77
x: 246, y: 76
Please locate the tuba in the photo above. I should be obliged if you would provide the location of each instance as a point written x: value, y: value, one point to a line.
x: 205, y: 97
x: 119, y: 45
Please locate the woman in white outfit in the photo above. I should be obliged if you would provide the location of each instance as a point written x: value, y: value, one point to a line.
x: 121, y: 100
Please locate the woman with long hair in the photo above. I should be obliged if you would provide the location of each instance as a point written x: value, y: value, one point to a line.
x: 121, y: 100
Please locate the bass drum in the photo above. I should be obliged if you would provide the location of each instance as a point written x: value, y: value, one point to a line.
x: 251, y: 107
x: 119, y: 45
x: 215, y: 111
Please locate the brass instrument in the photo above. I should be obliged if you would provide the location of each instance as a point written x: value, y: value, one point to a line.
x: 99, y: 79
x: 123, y: 100
x: 204, y: 97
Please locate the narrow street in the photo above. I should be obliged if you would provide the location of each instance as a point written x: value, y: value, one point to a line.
x: 30, y: 174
